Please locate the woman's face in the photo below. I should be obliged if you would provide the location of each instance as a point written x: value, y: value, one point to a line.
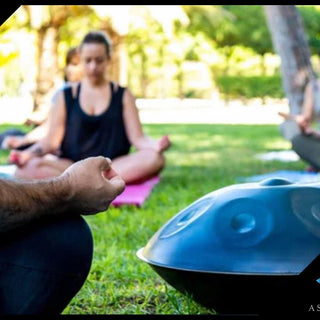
x: 94, y: 59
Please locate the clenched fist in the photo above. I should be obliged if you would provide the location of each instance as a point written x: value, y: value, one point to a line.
x: 92, y: 184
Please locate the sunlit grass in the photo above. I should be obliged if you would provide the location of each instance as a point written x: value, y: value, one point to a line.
x: 202, y: 158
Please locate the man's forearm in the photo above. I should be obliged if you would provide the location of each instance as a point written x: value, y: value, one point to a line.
x: 21, y: 202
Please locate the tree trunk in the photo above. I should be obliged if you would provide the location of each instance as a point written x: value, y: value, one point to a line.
x: 290, y: 43
x: 47, y: 66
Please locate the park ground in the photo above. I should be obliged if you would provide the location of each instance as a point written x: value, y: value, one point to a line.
x: 204, y: 157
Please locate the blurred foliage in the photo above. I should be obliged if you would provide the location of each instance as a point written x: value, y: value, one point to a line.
x: 146, y: 55
x: 251, y: 87
x: 311, y: 17
x: 229, y: 40
x: 7, y: 51
x: 5, y: 58
x: 250, y: 27
x: 231, y: 25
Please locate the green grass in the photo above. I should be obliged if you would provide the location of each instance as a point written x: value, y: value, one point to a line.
x: 203, y: 158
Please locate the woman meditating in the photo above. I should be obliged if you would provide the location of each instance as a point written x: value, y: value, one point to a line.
x: 93, y: 117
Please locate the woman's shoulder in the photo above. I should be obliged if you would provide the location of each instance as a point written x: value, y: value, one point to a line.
x: 117, y: 86
x: 72, y: 87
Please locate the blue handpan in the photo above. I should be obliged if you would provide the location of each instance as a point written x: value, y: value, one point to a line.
x: 251, y: 248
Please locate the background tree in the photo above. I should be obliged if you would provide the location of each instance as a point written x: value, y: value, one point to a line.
x: 311, y: 16
x: 224, y: 51
x: 146, y: 48
x: 216, y: 24
x: 251, y: 29
x: 46, y: 21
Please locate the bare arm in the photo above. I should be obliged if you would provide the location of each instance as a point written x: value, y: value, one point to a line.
x: 304, y: 119
x: 134, y: 128
x: 36, y: 134
x: 13, y: 142
x: 55, y: 128
x: 87, y: 187
x: 308, y: 102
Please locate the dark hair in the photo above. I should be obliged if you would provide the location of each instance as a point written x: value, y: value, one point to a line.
x: 72, y: 52
x: 97, y: 37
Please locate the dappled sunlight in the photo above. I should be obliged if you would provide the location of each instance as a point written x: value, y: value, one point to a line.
x: 208, y: 76
x: 205, y: 141
x: 279, y: 144
x: 227, y: 141
x: 204, y: 158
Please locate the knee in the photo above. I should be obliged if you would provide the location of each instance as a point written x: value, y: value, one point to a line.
x: 50, y: 260
x: 58, y: 245
x: 33, y: 169
x: 70, y: 241
x: 29, y: 170
x: 297, y: 141
x: 157, y: 160
x: 34, y: 163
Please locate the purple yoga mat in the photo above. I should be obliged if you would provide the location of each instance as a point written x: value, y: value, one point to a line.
x: 136, y: 194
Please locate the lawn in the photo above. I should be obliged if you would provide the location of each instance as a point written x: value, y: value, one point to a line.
x: 203, y: 158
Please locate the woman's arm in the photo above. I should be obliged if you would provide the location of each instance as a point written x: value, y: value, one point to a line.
x: 36, y: 134
x: 304, y: 119
x: 308, y: 103
x: 134, y: 128
x: 52, y: 138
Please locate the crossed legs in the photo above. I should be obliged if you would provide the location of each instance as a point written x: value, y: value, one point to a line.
x: 137, y: 166
x: 308, y: 148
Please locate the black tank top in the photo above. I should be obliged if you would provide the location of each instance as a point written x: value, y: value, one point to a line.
x: 89, y: 136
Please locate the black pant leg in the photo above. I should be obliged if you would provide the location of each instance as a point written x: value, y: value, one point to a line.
x: 308, y: 148
x: 43, y: 265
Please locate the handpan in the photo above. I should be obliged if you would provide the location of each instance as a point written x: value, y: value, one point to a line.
x: 250, y: 248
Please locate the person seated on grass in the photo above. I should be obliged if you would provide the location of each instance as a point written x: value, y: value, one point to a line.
x: 72, y: 73
x: 46, y: 246
x: 305, y: 139
x: 94, y: 117
x: 17, y: 139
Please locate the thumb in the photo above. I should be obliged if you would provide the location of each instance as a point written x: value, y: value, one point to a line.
x: 108, y: 173
x: 118, y: 184
x: 112, y: 176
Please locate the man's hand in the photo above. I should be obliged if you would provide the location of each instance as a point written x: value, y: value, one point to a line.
x: 92, y: 184
x: 86, y: 187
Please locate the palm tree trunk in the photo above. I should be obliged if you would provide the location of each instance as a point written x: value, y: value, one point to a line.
x: 290, y: 42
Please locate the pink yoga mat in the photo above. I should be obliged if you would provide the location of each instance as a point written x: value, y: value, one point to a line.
x: 136, y: 194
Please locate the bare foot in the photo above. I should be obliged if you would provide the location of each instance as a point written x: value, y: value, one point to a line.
x: 164, y: 143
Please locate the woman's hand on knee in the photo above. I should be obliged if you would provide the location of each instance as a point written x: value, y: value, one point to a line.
x: 93, y: 184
